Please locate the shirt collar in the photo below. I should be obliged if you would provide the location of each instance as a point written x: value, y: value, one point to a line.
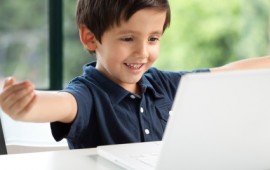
x: 146, y: 85
x: 116, y: 92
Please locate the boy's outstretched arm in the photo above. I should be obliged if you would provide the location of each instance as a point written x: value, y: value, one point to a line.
x: 21, y: 102
x: 252, y: 63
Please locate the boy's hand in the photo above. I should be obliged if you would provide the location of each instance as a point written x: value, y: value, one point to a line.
x: 16, y: 99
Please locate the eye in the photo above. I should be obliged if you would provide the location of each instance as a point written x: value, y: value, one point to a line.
x: 153, y: 39
x: 127, y: 39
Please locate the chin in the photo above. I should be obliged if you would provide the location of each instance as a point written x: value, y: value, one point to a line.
x: 132, y: 81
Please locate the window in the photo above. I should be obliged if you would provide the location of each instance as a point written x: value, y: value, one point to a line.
x: 200, y: 35
x: 75, y: 56
x: 24, y: 41
x: 211, y: 33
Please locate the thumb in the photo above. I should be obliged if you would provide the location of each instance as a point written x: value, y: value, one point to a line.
x: 9, y: 81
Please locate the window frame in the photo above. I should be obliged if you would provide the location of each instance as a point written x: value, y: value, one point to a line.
x: 55, y: 10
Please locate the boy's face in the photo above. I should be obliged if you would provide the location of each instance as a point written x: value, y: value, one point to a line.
x: 128, y: 50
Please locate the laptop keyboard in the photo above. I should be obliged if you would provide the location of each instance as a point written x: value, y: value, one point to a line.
x: 149, y: 159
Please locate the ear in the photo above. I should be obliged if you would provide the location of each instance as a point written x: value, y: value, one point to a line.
x: 87, y: 38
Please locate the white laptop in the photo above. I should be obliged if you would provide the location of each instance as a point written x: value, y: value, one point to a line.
x: 219, y: 121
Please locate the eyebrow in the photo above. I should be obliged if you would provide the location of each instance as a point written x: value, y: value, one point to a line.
x: 136, y: 32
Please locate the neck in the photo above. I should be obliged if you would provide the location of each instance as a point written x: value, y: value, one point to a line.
x: 134, y: 88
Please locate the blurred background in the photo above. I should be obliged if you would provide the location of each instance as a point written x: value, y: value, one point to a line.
x: 202, y: 34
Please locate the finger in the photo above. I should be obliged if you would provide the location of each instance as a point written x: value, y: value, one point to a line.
x: 11, y: 91
x: 23, y: 105
x: 8, y: 82
x: 17, y: 95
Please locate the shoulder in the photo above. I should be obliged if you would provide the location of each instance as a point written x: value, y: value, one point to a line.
x: 164, y: 76
x: 163, y: 82
x: 81, y: 89
x: 167, y: 80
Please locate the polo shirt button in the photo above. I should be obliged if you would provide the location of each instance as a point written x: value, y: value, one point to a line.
x: 132, y: 96
x: 147, y: 131
x: 141, y: 110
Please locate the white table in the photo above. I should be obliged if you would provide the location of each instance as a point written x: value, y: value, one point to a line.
x: 80, y: 159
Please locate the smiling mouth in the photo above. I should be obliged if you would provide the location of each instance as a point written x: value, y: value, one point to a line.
x: 134, y: 66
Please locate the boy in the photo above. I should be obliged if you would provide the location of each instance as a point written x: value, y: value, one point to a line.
x: 119, y: 98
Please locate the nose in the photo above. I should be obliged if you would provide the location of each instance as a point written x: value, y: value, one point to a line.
x: 142, y: 50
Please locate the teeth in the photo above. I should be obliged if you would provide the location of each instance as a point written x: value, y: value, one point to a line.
x: 136, y: 66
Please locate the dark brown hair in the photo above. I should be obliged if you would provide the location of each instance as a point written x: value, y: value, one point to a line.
x: 99, y: 15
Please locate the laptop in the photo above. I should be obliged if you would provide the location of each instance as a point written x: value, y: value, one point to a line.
x: 218, y: 121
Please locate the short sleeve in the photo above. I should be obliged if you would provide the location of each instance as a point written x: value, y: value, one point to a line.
x: 84, y: 100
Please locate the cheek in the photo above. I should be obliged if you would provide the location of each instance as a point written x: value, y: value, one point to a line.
x: 108, y: 52
x: 154, y: 53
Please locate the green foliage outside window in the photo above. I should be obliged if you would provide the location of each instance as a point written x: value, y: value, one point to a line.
x: 202, y: 34
x: 211, y: 33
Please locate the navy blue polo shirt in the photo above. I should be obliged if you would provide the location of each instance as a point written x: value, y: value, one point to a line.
x: 108, y: 114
